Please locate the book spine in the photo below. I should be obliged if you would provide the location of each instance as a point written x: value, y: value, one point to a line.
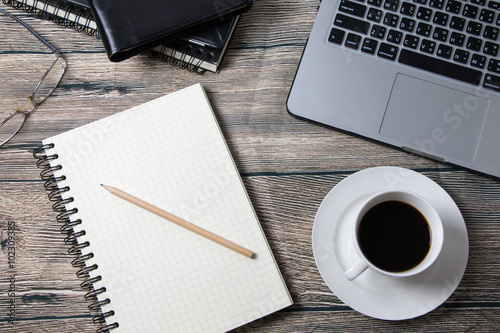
x: 49, y: 165
x: 60, y: 12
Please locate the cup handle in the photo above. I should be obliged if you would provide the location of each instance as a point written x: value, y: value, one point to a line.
x: 356, y: 270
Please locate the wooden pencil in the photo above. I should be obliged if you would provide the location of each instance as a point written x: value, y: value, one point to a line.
x: 177, y: 220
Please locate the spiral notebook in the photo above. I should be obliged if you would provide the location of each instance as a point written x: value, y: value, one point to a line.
x: 145, y: 273
x: 198, y: 52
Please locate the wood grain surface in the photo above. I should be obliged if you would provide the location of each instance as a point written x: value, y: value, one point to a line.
x: 288, y: 166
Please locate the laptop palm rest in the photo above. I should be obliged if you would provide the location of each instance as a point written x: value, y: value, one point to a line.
x: 434, y: 119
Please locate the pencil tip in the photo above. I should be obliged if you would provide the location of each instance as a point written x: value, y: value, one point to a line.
x: 253, y: 256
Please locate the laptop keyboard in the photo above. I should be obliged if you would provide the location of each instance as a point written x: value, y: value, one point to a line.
x: 454, y: 38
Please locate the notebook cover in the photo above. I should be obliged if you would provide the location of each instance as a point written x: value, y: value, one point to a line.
x: 129, y: 27
x: 215, y: 36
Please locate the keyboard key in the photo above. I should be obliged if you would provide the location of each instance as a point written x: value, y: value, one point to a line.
x: 391, y: 19
x: 353, y: 8
x: 441, y: 67
x: 407, y: 24
x: 353, y: 41
x: 444, y: 51
x: 487, y: 15
x: 493, y: 4
x: 388, y: 51
x: 440, y: 34
x: 374, y: 15
x: 407, y: 8
x: 428, y: 46
x: 478, y: 2
x: 494, y: 65
x: 424, y: 14
x: 369, y: 45
x: 394, y: 36
x: 424, y: 29
x: 351, y: 23
x: 376, y: 3
x: 461, y: 56
x: 457, y: 23
x: 492, y: 82
x: 411, y: 41
x: 336, y: 36
x: 453, y: 6
x: 470, y: 11
x: 474, y: 43
x: 391, y: 5
x: 474, y: 28
x: 377, y: 31
x: 438, y: 4
x: 491, y: 48
x: 440, y: 18
x: 457, y: 39
x: 490, y: 32
x: 422, y: 2
x: 478, y: 60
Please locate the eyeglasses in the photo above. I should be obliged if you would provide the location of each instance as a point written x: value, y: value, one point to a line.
x: 43, y: 89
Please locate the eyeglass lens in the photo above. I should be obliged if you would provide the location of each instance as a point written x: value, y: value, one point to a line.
x: 11, y: 126
x: 30, y: 72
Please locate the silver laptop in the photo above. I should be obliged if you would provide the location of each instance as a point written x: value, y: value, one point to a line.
x: 421, y: 75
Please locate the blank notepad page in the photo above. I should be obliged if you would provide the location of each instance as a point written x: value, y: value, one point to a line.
x: 160, y: 277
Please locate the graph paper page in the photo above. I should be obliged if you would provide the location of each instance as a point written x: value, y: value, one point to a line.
x: 160, y: 277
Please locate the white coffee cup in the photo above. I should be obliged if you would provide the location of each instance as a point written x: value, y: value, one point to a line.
x: 386, y: 199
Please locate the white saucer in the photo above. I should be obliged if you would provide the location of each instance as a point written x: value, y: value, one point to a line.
x: 372, y: 293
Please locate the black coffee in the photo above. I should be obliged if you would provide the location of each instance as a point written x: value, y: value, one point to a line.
x: 394, y: 236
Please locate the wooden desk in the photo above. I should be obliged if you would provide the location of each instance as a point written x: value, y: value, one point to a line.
x: 288, y: 166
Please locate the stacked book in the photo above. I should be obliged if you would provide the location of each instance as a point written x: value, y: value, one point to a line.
x: 191, y: 35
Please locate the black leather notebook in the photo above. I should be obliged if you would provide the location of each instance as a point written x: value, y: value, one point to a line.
x: 129, y: 27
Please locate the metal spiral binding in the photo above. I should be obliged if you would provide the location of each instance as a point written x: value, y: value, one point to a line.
x: 58, y: 5
x: 63, y: 216
x: 192, y: 65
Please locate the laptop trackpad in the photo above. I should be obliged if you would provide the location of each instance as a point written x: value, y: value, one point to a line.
x: 434, y: 119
